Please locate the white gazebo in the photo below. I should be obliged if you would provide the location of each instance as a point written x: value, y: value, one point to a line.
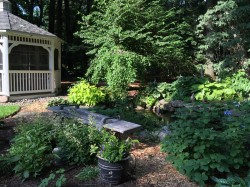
x: 30, y: 58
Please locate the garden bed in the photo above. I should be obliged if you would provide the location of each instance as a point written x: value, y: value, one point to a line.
x: 151, y: 168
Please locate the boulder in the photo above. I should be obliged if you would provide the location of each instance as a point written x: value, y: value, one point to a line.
x: 177, y: 103
x: 168, y: 106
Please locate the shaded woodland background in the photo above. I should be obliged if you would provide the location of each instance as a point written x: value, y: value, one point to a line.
x: 206, y: 32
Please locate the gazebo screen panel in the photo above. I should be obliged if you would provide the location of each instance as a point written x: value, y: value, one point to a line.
x: 1, y: 60
x: 27, y: 57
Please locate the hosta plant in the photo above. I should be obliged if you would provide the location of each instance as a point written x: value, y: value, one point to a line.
x: 82, y: 93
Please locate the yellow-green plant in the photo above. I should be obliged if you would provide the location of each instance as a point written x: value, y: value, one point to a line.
x: 84, y: 93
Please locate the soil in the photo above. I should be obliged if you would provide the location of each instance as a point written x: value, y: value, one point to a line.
x: 151, y: 169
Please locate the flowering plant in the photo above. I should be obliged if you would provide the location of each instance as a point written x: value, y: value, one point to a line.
x: 112, y: 148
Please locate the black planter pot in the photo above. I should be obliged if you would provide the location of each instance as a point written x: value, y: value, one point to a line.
x: 113, y: 173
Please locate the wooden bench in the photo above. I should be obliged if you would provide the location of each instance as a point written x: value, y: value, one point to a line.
x: 99, y: 120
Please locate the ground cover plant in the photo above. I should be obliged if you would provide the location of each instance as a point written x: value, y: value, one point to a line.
x: 88, y: 173
x: 210, y: 140
x: 234, y: 86
x: 6, y: 111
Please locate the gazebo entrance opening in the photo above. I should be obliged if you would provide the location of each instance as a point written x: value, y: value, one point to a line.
x: 29, y: 69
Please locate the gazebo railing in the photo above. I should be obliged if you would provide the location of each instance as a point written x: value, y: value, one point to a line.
x: 25, y: 82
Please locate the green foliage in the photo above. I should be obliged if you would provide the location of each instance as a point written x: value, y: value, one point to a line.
x: 150, y: 101
x: 112, y: 148
x: 6, y: 164
x: 6, y: 111
x: 232, y: 181
x: 240, y: 83
x: 181, y: 89
x: 210, y: 140
x: 59, y: 182
x: 88, y: 173
x: 213, y: 91
x: 73, y: 138
x: 158, y: 42
x: 31, y: 148
x: 58, y: 101
x: 224, y: 32
x: 84, y: 93
x: 233, y: 86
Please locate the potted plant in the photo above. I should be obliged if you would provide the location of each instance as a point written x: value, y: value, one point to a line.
x: 113, y: 157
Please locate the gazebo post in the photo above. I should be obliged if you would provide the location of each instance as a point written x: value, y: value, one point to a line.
x: 6, y: 88
x: 51, y: 65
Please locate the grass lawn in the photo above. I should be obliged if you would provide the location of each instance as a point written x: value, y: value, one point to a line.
x: 6, y: 111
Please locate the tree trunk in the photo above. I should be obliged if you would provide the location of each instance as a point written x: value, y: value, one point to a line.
x: 31, y: 11
x: 59, y: 18
x: 209, y: 70
x: 69, y: 34
x: 52, y: 16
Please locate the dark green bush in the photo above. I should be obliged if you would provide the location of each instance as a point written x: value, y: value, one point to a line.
x: 31, y: 148
x: 73, y: 139
x: 241, y: 83
x: 210, y: 140
x: 181, y: 89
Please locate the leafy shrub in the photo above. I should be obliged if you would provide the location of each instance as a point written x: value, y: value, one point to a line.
x: 236, y: 86
x: 84, y: 93
x: 240, y: 83
x: 72, y: 137
x: 58, y: 101
x: 181, y: 89
x: 210, y: 140
x: 111, y: 147
x: 31, y: 148
x: 213, y: 91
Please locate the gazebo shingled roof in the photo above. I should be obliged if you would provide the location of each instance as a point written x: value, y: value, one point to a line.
x: 9, y: 21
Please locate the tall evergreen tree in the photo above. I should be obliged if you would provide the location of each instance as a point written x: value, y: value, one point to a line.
x: 136, y: 39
